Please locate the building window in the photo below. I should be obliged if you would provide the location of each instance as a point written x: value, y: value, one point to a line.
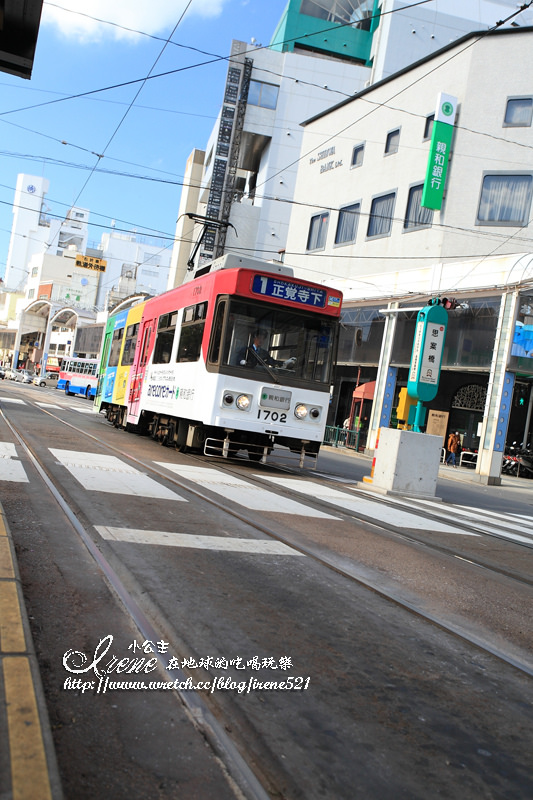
x: 318, y: 227
x: 34, y: 271
x: 392, y: 142
x: 347, y: 223
x: 505, y: 200
x: 518, y: 112
x: 263, y: 94
x: 381, y: 211
x: 31, y: 293
x: 415, y: 215
x: 428, y: 126
x: 357, y: 155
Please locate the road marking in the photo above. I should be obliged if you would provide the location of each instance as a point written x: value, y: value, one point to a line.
x: 197, y: 542
x: 15, y: 400
x: 484, y: 520
x: 81, y: 409
x: 243, y: 493
x: 47, y: 405
x: 100, y: 473
x: 374, y: 509
x: 29, y: 771
x: 11, y: 468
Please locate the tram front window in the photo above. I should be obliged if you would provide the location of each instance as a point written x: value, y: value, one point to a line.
x: 286, y: 345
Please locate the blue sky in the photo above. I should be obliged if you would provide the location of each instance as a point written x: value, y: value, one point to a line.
x: 171, y: 116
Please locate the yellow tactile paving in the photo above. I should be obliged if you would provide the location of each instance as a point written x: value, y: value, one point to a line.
x: 30, y: 779
x: 29, y: 770
x: 12, y: 638
x: 6, y: 562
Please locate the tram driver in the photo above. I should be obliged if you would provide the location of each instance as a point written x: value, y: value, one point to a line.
x: 255, y: 353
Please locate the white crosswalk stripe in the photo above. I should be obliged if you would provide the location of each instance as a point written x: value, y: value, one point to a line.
x: 15, y: 400
x: 100, y: 473
x: 10, y: 467
x: 374, y: 509
x: 483, y: 520
x: 228, y: 544
x: 241, y: 492
x: 488, y: 521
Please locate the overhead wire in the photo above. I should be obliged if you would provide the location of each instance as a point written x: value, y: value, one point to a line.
x: 215, y: 59
x: 227, y: 58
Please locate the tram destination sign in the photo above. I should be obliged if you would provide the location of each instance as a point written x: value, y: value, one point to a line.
x: 288, y: 290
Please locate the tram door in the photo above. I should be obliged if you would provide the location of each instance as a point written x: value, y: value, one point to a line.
x: 139, y: 369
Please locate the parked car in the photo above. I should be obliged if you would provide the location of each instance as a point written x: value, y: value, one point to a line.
x: 50, y: 379
x: 10, y: 373
x: 2, y: 373
x: 23, y: 376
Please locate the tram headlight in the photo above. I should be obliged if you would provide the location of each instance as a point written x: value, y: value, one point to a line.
x: 228, y: 399
x: 300, y: 411
x: 243, y: 402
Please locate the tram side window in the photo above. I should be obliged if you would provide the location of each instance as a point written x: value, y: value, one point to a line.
x: 132, y: 332
x: 192, y: 333
x: 216, y: 336
x: 166, y: 328
x: 115, y: 347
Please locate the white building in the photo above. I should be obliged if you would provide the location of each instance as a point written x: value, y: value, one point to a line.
x: 35, y: 231
x: 243, y: 179
x: 252, y: 154
x: 357, y: 222
x: 133, y: 263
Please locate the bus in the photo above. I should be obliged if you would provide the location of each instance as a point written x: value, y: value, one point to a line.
x: 79, y: 376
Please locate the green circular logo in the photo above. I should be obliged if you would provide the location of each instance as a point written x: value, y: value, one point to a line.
x: 447, y: 109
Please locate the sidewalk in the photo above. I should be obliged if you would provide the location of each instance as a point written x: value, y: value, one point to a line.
x: 28, y: 769
x: 461, y: 474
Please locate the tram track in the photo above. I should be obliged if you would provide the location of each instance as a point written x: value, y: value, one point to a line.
x: 346, y: 570
x: 254, y: 777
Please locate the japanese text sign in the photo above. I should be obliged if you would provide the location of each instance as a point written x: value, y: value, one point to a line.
x: 426, y: 358
x: 439, y: 152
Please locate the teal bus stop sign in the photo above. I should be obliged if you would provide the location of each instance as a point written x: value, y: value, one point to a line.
x: 426, y: 358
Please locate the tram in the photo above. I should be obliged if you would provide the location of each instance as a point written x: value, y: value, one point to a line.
x: 238, y: 359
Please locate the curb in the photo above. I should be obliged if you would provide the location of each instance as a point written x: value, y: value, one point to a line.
x: 27, y: 752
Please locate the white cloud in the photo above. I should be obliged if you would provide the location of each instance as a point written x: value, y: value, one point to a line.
x: 157, y: 17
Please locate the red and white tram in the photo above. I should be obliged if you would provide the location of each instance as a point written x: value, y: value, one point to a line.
x: 240, y: 358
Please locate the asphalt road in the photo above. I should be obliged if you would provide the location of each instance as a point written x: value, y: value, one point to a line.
x: 386, y: 704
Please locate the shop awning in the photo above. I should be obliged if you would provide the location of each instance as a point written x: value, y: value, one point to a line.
x: 365, y: 391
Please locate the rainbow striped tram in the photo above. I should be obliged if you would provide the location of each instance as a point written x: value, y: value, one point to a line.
x: 238, y: 359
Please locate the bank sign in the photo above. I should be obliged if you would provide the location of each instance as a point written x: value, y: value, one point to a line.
x: 439, y: 152
x: 426, y: 358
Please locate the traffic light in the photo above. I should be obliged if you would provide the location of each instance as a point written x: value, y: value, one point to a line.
x: 520, y: 396
x: 449, y: 303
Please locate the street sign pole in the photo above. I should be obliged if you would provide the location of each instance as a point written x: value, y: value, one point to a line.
x: 426, y: 358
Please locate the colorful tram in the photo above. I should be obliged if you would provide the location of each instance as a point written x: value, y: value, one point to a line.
x: 240, y: 358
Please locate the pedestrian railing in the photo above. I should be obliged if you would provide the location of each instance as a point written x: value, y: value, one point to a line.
x: 467, y: 459
x: 341, y: 437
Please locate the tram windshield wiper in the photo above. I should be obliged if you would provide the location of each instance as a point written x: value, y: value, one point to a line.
x: 264, y: 364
